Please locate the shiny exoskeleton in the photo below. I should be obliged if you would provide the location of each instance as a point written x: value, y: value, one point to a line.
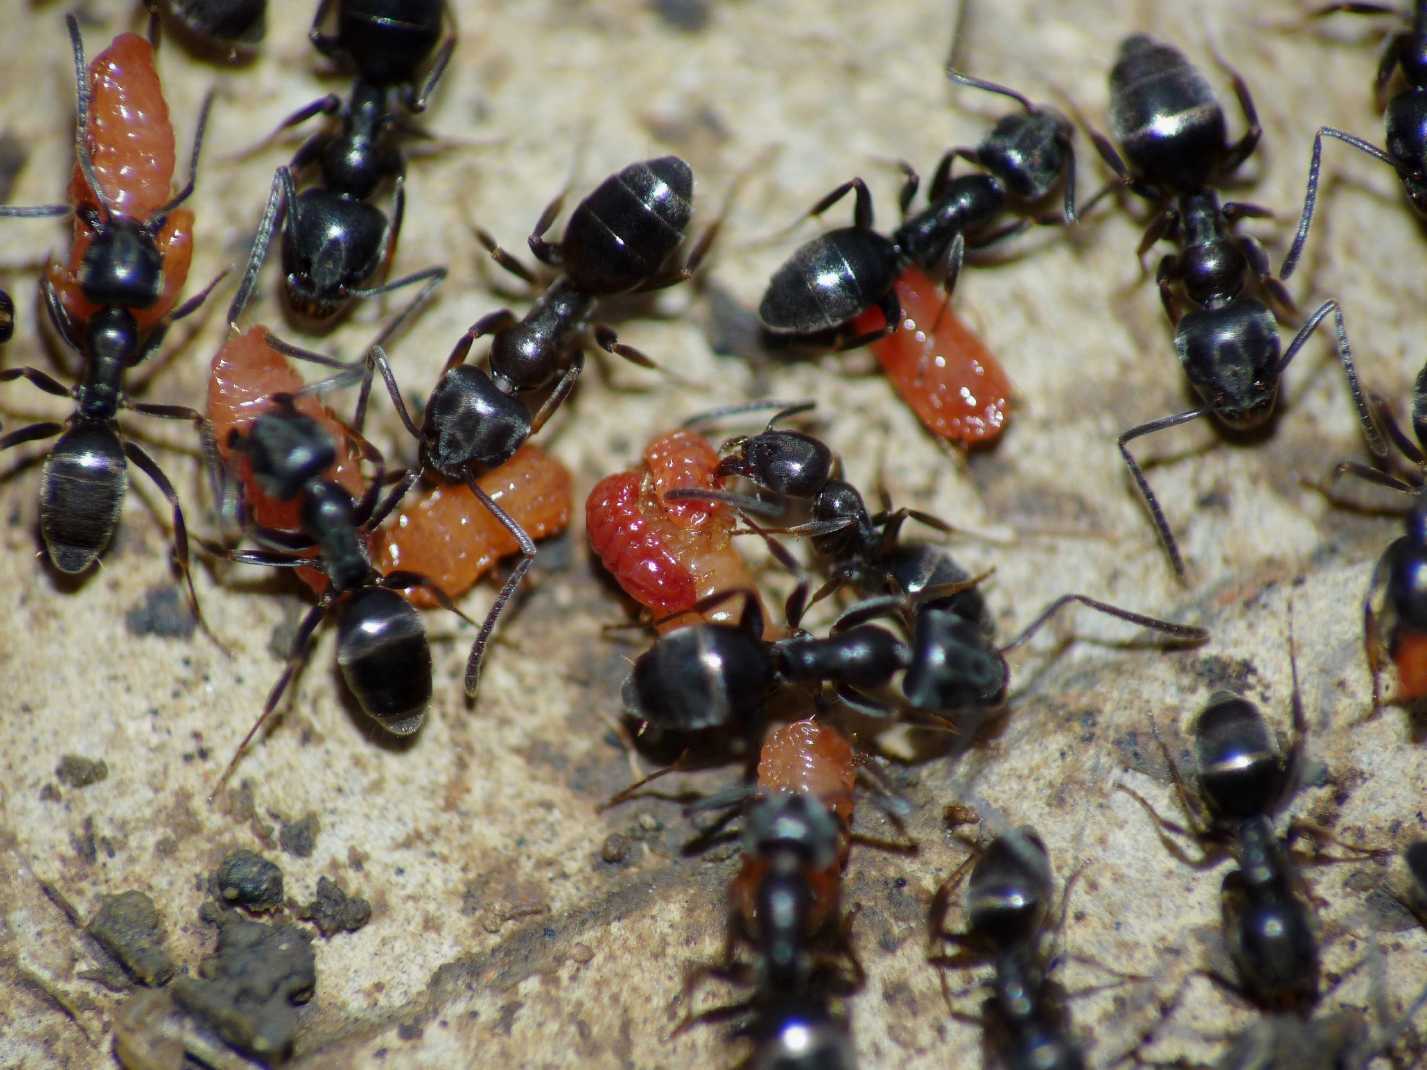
x: 790, y: 843
x: 953, y: 663
x: 1173, y: 135
x: 618, y: 240
x: 381, y: 641
x: 1008, y: 908
x: 1243, y: 780
x: 837, y: 276
x: 334, y: 239
x: 1406, y: 117
x: 230, y: 28
x: 86, y: 472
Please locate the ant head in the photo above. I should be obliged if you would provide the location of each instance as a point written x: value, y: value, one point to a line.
x: 288, y: 451
x: 122, y: 265
x: 704, y: 676
x: 953, y: 666
x: 1241, y: 773
x: 1009, y: 893
x: 333, y: 246
x: 469, y: 422
x: 914, y: 567
x: 789, y: 463
x: 1230, y: 354
x: 792, y: 824
x: 1029, y: 151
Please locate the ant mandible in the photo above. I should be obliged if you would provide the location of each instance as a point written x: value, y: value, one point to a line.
x: 1406, y: 151
x: 1171, y: 127
x: 334, y: 239
x: 114, y: 302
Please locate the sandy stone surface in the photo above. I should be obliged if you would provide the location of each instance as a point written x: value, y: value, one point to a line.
x: 502, y: 934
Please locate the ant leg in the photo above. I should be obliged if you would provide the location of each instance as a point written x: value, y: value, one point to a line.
x: 722, y: 412
x: 1310, y: 199
x: 1185, y: 632
x: 1166, y: 536
x: 546, y: 252
x: 1242, y: 149
x: 1345, y: 357
x: 1164, y: 827
x: 1072, y: 216
x: 527, y: 556
x: 941, y: 177
x: 610, y: 343
x: 281, y: 195
x: 38, y: 211
x: 32, y: 433
x: 1169, y: 271
x: 910, y: 182
x: 1110, y: 157
x: 862, y: 203
x: 1277, y: 293
x: 402, y: 581
x: 417, y: 102
x: 37, y: 378
x: 326, y: 43
x: 505, y: 259
x: 1370, y: 475
x: 891, y: 306
x: 560, y: 393
x: 301, y: 644
x: 432, y: 276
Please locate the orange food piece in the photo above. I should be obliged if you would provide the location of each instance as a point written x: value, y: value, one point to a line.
x: 810, y: 758
x: 1409, y: 657
x: 131, y: 145
x: 944, y: 373
x: 244, y: 375
x: 130, y: 136
x: 668, y: 556
x: 448, y: 536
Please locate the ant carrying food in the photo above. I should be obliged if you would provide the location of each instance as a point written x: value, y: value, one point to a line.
x: 1008, y: 907
x: 334, y: 239
x: 381, y: 641
x: 1172, y: 130
x: 113, y: 301
x: 1406, y: 151
x: 618, y: 240
x: 785, y: 903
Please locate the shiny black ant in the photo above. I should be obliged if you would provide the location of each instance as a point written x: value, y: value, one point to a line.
x: 1172, y: 130
x: 381, y: 641
x: 334, y: 239
x: 832, y: 279
x: 618, y: 240
x: 1008, y: 907
x: 786, y: 901
x: 1243, y: 780
x: 1406, y: 151
x: 228, y: 28
x: 86, y: 471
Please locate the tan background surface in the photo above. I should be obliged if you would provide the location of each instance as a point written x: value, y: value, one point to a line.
x: 499, y: 936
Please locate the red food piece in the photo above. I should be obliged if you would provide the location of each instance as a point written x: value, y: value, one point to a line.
x: 810, y: 758
x: 131, y: 144
x: 448, y: 536
x: 668, y: 555
x: 244, y: 375
x: 1409, y: 658
x: 939, y: 367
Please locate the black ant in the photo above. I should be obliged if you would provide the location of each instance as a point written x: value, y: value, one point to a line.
x: 618, y: 240
x: 953, y: 663
x: 829, y: 281
x: 1406, y: 151
x: 1008, y: 902
x: 783, y: 902
x: 334, y: 239
x: 1172, y: 131
x: 381, y: 641
x: 122, y: 273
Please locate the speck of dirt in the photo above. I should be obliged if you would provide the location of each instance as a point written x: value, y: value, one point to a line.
x: 687, y: 16
x: 85, y: 843
x: 1226, y: 674
x: 248, y: 989
x: 162, y: 613
x: 334, y: 911
x: 248, y: 880
x: 50, y: 793
x: 128, y: 927
x: 75, y: 771
x: 299, y: 838
x: 615, y: 850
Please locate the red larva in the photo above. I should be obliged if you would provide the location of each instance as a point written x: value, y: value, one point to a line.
x: 667, y: 555
x: 944, y: 373
x: 131, y: 144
